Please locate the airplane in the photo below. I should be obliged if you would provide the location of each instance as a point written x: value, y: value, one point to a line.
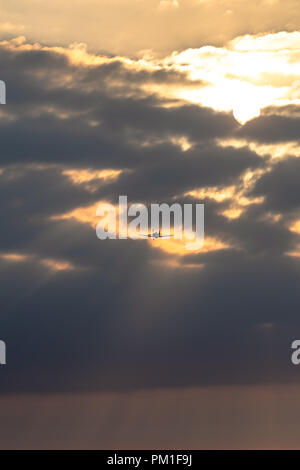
x: 155, y: 235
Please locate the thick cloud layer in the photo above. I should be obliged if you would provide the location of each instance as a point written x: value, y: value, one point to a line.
x: 83, y: 314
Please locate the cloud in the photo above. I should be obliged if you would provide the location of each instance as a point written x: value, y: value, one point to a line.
x: 80, y: 128
x: 246, y: 75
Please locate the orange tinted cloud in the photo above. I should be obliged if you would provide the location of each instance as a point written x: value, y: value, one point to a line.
x: 52, y: 264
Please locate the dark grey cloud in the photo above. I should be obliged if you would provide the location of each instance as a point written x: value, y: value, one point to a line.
x: 125, y: 317
x: 280, y: 187
x: 273, y: 127
x: 167, y: 172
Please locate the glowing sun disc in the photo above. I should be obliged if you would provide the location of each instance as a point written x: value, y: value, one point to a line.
x: 244, y: 112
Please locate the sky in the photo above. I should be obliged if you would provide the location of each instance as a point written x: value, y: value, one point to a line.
x: 121, y: 344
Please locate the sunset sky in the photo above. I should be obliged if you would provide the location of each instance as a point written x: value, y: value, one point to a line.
x: 143, y: 344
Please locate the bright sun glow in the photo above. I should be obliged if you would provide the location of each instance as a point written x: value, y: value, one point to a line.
x: 244, y: 112
x: 247, y: 75
x: 244, y: 76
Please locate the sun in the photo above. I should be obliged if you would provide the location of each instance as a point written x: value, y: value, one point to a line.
x: 245, y: 111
